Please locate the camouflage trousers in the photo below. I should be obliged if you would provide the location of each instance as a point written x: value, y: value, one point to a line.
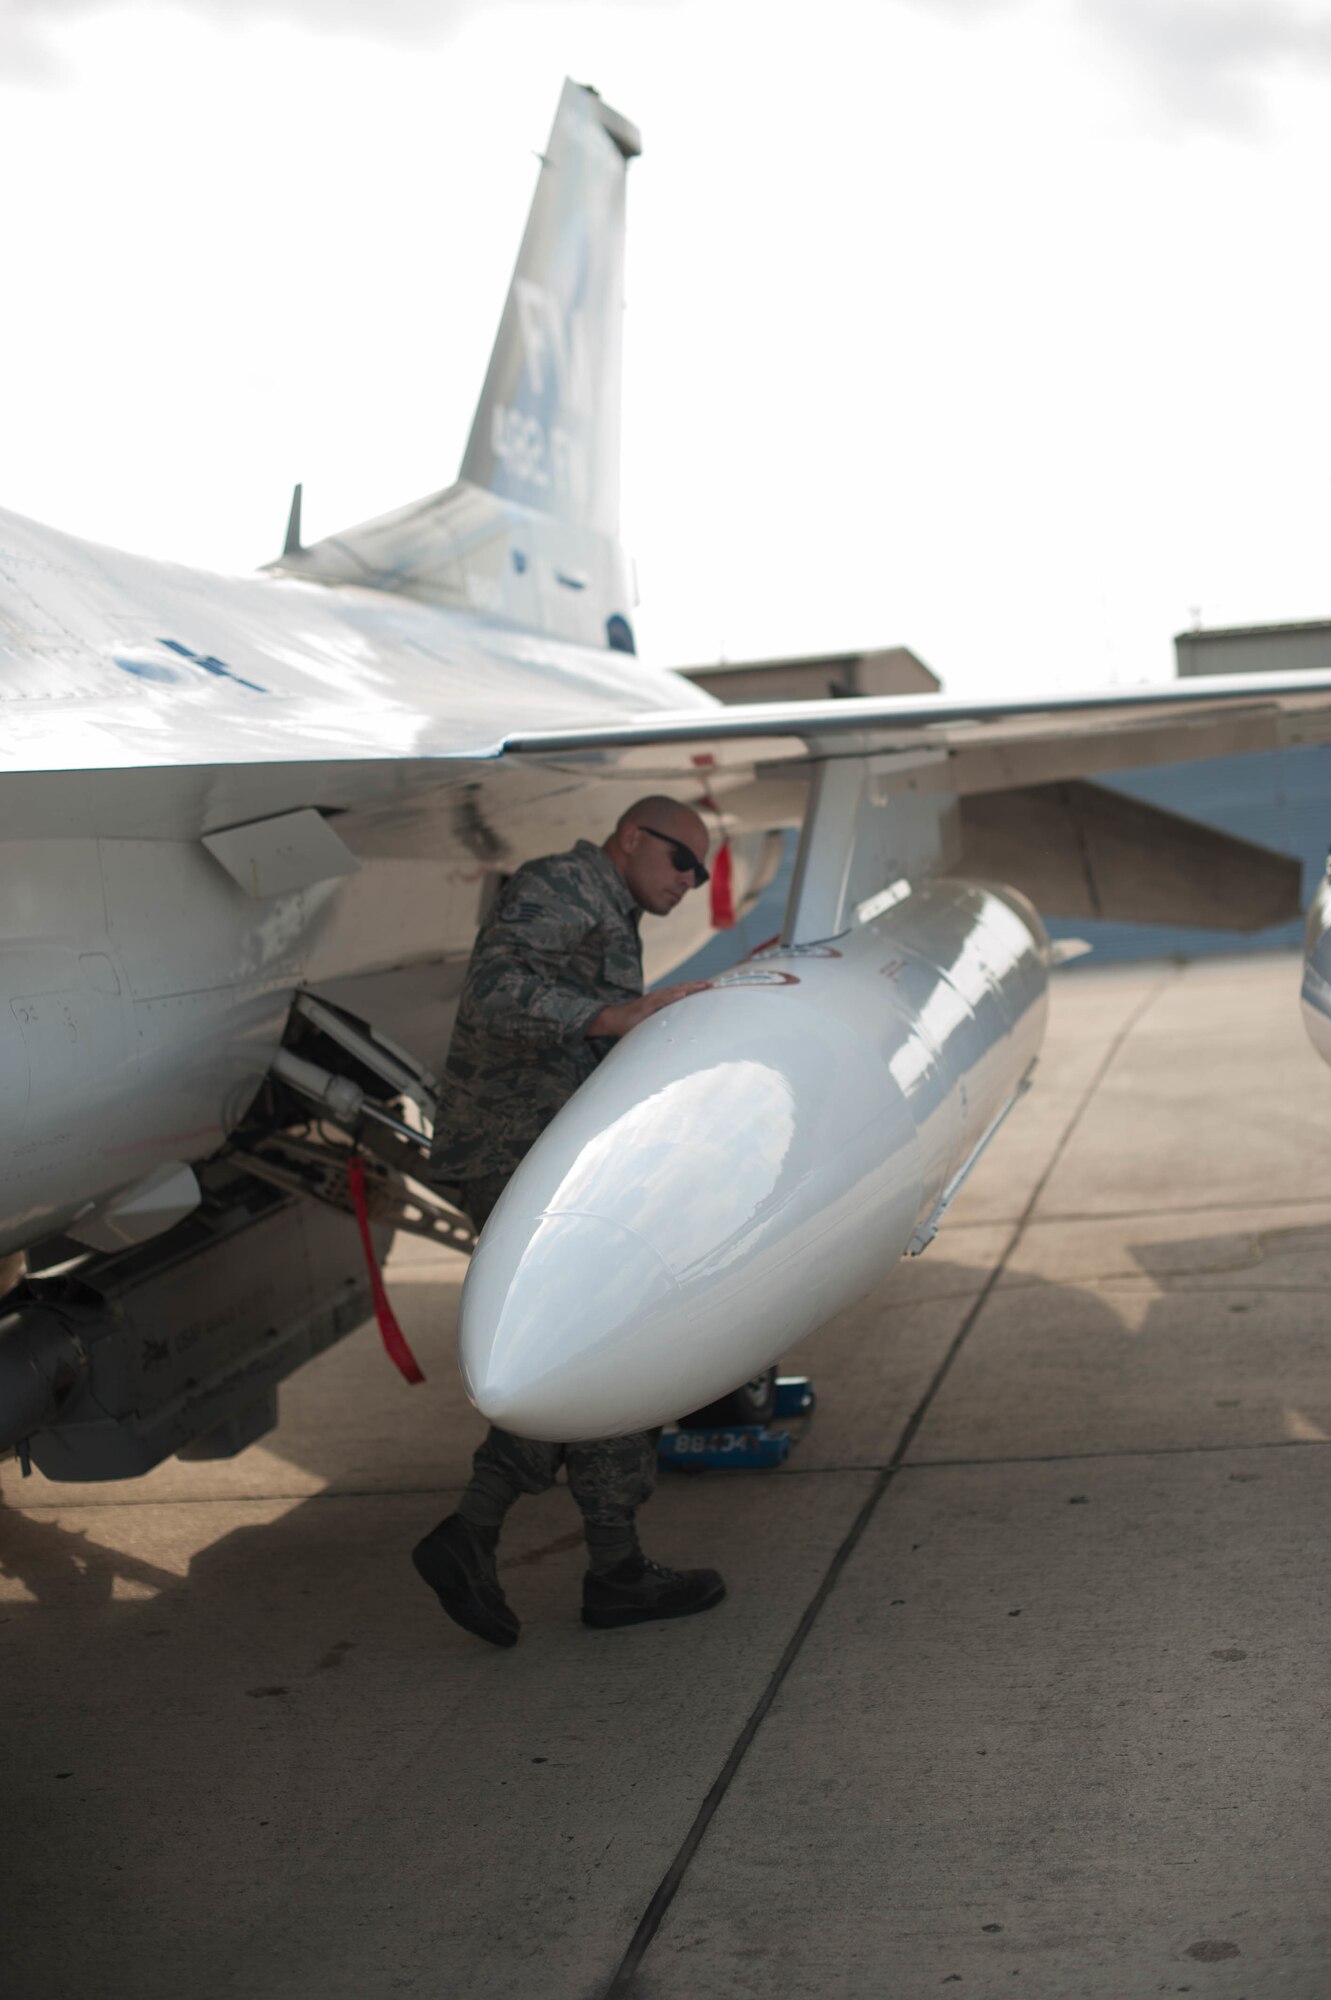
x: 609, y: 1478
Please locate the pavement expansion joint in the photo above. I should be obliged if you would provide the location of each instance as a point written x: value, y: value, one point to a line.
x: 1137, y: 1283
x: 1124, y: 1451
x: 622, y: 1984
x: 1223, y: 1206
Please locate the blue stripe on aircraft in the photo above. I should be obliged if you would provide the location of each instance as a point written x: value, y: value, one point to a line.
x: 211, y: 665
x: 147, y: 670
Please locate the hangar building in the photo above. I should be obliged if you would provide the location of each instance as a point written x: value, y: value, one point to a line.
x: 1281, y: 798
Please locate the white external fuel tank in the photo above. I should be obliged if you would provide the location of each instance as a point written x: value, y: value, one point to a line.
x: 748, y: 1162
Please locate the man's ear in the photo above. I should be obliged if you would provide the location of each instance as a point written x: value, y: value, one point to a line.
x: 630, y: 836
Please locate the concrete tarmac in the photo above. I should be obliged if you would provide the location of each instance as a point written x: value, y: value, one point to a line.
x: 1020, y: 1689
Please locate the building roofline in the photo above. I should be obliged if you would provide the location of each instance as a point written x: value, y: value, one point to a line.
x: 1251, y: 631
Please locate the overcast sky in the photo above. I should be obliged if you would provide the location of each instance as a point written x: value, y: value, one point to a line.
x: 997, y: 328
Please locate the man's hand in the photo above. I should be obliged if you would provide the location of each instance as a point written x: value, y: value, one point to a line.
x: 618, y: 1020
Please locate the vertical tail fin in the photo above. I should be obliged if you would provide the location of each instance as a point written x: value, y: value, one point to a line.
x: 529, y: 535
x: 546, y: 430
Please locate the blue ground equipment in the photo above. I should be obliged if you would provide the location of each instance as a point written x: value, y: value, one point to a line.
x: 794, y: 1396
x: 738, y: 1447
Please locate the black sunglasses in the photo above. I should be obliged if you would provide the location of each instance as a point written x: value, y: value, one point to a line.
x: 684, y: 858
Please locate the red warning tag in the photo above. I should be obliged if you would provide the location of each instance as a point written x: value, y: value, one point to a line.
x: 723, y: 876
x: 723, y: 890
x: 395, y: 1341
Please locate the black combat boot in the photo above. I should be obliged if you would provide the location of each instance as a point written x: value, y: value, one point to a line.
x: 457, y: 1560
x: 637, y: 1590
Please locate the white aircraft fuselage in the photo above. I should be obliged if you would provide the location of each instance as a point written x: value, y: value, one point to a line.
x: 144, y: 989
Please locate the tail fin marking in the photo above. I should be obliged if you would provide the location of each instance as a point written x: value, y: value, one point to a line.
x: 546, y: 430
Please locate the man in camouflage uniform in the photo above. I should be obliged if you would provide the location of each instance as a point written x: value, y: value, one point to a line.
x: 555, y: 978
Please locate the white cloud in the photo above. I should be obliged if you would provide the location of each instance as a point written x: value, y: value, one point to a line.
x: 1199, y: 62
x: 33, y: 32
x: 1208, y: 61
x: 33, y: 21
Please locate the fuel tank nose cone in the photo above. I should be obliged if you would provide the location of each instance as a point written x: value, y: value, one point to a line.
x: 554, y: 1316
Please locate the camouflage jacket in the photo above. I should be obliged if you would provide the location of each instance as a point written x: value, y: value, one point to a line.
x: 560, y: 944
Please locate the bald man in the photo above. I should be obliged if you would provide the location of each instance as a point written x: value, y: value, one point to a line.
x: 555, y: 978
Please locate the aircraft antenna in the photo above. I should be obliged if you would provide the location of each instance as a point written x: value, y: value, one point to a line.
x: 291, y: 547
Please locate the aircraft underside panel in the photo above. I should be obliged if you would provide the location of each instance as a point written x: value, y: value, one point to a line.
x: 179, y: 1346
x: 144, y: 994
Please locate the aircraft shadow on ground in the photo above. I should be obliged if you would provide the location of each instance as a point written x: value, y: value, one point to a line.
x: 288, y: 1639
x: 864, y: 1400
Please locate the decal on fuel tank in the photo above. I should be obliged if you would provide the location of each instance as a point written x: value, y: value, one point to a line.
x: 756, y: 975
x: 794, y: 951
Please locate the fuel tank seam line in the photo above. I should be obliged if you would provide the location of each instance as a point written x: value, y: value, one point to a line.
x: 590, y: 1215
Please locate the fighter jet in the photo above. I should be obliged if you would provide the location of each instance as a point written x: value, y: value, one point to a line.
x: 250, y: 827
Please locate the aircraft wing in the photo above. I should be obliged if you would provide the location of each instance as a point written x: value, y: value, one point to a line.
x: 962, y: 745
x: 420, y: 785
